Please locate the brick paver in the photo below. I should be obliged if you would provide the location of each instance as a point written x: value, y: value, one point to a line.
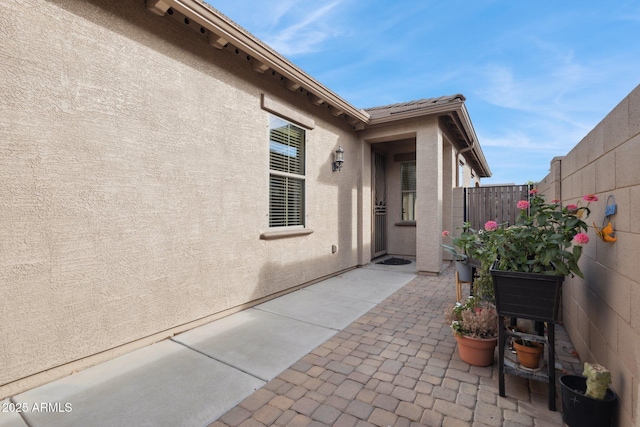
x: 398, y: 366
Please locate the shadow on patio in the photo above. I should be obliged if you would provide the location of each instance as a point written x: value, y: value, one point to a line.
x: 302, y: 359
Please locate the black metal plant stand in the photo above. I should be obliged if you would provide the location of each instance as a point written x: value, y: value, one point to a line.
x: 530, y: 296
x: 513, y: 368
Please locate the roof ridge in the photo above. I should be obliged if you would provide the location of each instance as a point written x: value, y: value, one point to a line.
x: 418, y: 102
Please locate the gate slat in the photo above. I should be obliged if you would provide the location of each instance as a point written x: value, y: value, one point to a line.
x: 496, y: 203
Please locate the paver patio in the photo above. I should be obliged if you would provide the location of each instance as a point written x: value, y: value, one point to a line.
x: 366, y: 347
x: 397, y: 365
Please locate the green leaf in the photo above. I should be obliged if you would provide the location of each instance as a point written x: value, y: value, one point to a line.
x: 577, y: 251
x: 572, y: 222
x: 562, y: 268
x: 574, y: 268
x: 541, y: 219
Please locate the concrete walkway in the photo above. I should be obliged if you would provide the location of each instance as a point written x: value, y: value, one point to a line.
x: 368, y: 347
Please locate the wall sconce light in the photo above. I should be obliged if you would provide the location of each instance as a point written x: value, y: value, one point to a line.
x: 338, y: 159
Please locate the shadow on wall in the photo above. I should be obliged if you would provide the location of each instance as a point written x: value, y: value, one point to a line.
x: 131, y: 298
x: 600, y: 311
x: 295, y: 260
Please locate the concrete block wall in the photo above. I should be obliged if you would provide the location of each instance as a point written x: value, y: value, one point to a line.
x: 602, y: 311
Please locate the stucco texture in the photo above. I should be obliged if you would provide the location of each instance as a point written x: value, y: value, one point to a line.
x: 134, y: 182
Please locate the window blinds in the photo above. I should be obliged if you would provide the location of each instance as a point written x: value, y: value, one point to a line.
x: 286, y: 158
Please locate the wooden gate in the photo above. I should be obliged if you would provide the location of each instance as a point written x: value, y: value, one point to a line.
x: 482, y: 204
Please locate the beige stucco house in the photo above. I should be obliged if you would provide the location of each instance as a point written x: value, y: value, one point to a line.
x: 161, y: 167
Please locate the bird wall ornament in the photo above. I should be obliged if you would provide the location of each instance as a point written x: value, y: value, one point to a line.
x: 606, y: 233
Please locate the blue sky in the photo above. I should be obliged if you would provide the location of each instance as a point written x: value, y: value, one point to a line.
x: 538, y: 76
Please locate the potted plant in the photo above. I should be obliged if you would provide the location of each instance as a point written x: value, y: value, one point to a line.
x: 484, y: 251
x: 533, y: 256
x: 546, y: 239
x: 475, y: 327
x: 462, y: 248
x: 528, y: 352
x: 587, y: 400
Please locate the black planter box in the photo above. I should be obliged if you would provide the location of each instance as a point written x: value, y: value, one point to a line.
x: 527, y: 295
x: 579, y: 410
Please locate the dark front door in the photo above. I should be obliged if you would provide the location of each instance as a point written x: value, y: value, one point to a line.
x: 379, y: 197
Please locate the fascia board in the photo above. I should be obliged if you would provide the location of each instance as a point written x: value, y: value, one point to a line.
x: 419, y: 112
x: 477, y: 150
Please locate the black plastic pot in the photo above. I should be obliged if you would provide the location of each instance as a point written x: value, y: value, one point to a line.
x: 527, y: 295
x: 579, y: 410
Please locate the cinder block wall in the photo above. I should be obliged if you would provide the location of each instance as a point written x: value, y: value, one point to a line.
x: 602, y: 312
x: 134, y: 182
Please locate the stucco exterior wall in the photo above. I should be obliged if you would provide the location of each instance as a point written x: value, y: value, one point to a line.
x: 457, y: 218
x: 602, y: 312
x: 429, y: 198
x: 364, y: 205
x: 465, y: 175
x: 448, y: 184
x: 134, y: 183
x: 429, y: 192
x: 402, y: 238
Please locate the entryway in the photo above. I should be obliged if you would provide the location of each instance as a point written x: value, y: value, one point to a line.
x: 379, y: 197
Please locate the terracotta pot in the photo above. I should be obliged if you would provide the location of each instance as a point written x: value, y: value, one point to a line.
x: 476, y: 351
x: 528, y: 356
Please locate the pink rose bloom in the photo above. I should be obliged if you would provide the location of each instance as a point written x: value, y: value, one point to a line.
x: 490, y: 225
x: 590, y: 197
x: 572, y: 208
x: 445, y: 233
x: 523, y: 204
x: 533, y: 191
x: 555, y: 201
x: 581, y: 239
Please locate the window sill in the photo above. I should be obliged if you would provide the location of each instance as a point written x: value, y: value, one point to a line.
x: 406, y: 224
x: 272, y: 235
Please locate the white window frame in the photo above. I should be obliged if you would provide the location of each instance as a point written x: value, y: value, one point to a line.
x: 403, y: 192
x: 301, y: 177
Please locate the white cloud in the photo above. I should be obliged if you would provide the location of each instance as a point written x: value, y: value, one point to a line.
x: 305, y: 35
x: 543, y: 142
x: 535, y: 84
x: 289, y: 26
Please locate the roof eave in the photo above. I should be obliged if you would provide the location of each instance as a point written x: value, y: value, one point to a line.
x: 471, y: 150
x: 228, y: 32
x: 223, y: 31
x: 410, y: 114
x: 482, y: 167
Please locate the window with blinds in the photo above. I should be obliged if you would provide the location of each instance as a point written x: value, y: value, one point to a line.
x: 409, y: 191
x: 287, y: 173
